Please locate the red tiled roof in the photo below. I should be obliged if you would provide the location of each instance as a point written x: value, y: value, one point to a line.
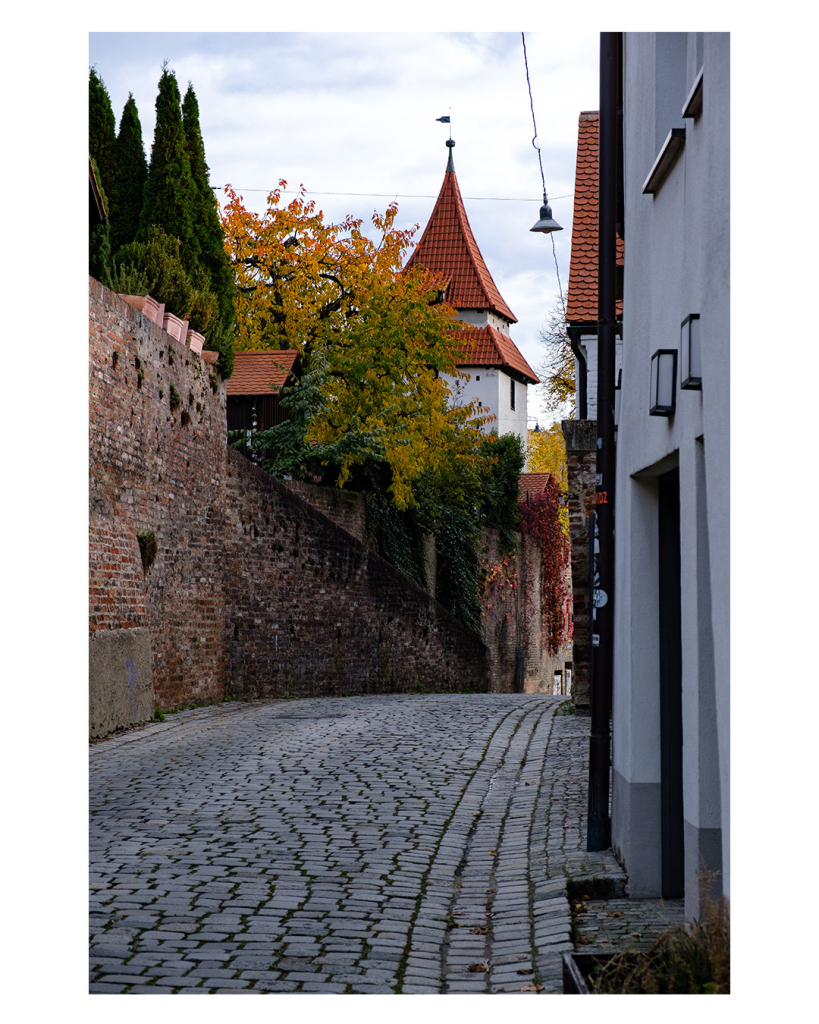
x: 581, y: 305
x: 255, y: 373
x: 534, y: 483
x: 448, y: 247
x: 491, y: 348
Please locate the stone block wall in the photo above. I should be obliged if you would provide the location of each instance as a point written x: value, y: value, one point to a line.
x: 581, y: 457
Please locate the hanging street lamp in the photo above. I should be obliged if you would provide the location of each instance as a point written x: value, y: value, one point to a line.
x: 546, y: 223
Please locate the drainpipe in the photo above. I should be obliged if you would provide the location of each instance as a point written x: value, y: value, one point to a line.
x: 599, y: 832
x: 574, y: 334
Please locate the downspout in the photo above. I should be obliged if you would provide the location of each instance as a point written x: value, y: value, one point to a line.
x: 599, y: 831
x: 574, y: 335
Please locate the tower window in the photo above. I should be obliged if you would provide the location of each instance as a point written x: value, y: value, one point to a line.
x: 511, y: 394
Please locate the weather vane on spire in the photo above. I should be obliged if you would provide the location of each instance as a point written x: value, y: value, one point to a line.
x: 446, y: 120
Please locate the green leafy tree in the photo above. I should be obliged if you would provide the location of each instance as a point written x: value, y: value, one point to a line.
x: 131, y: 173
x: 170, y: 194
x: 499, y: 506
x: 211, y: 237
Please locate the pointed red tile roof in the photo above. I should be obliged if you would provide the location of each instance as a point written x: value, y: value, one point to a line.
x: 491, y: 348
x: 448, y: 246
x: 581, y: 305
x: 255, y: 373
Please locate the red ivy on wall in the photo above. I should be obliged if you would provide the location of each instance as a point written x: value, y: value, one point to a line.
x: 540, y: 517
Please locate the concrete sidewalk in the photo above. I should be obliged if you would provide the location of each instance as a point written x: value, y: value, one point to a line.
x: 409, y: 844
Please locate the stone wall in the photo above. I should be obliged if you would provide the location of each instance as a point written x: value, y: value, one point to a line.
x: 345, y: 508
x: 241, y: 560
x: 154, y: 466
x: 581, y: 457
x: 312, y: 611
x: 512, y: 618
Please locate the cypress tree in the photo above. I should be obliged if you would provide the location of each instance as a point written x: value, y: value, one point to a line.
x: 214, y: 258
x: 131, y: 174
x: 101, y: 141
x: 170, y: 195
x: 99, y: 239
x: 102, y: 134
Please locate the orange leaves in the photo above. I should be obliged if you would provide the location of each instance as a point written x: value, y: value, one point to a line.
x: 312, y: 286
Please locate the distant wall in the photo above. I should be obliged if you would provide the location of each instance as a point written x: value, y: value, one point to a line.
x: 345, y: 508
x: 310, y: 610
x: 580, y: 437
x: 241, y: 562
x: 512, y: 616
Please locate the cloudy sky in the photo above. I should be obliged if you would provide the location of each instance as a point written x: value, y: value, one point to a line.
x: 352, y: 117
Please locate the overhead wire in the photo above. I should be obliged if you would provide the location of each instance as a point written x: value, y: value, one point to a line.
x: 540, y: 161
x: 388, y: 195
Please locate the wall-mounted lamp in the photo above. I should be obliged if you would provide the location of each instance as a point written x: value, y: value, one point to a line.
x: 663, y: 381
x: 690, y: 354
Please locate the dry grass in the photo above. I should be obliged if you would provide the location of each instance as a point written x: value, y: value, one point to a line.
x: 691, y: 959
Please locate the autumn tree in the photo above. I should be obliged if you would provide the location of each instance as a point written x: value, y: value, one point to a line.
x: 546, y: 453
x: 330, y: 289
x: 131, y: 168
x: 557, y: 370
x: 543, y: 517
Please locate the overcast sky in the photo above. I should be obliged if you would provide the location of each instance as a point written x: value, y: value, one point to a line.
x: 355, y: 113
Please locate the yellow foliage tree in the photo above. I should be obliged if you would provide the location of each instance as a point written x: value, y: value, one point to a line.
x: 329, y: 288
x: 546, y: 453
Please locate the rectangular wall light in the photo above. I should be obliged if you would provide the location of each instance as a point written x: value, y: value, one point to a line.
x: 663, y: 382
x: 691, y: 354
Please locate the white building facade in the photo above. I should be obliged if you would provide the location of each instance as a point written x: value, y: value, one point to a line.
x: 670, y: 718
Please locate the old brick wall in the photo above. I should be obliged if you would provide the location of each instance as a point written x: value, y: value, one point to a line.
x: 245, y: 568
x: 581, y: 456
x: 311, y: 611
x: 512, y: 615
x: 345, y: 508
x: 154, y: 467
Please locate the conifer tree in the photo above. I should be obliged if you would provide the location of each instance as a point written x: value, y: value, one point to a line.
x: 102, y: 134
x: 170, y: 194
x: 214, y: 258
x: 99, y: 237
x: 131, y: 174
x: 101, y: 141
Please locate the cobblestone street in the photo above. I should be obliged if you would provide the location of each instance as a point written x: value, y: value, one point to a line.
x: 384, y: 844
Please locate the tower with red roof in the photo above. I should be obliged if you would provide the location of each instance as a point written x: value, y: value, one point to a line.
x: 498, y: 375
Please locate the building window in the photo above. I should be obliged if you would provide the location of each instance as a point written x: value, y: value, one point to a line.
x: 512, y: 394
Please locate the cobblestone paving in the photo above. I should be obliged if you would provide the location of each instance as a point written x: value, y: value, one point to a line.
x: 612, y: 925
x: 384, y: 844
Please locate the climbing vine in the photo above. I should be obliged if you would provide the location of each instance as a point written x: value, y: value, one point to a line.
x: 541, y: 517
